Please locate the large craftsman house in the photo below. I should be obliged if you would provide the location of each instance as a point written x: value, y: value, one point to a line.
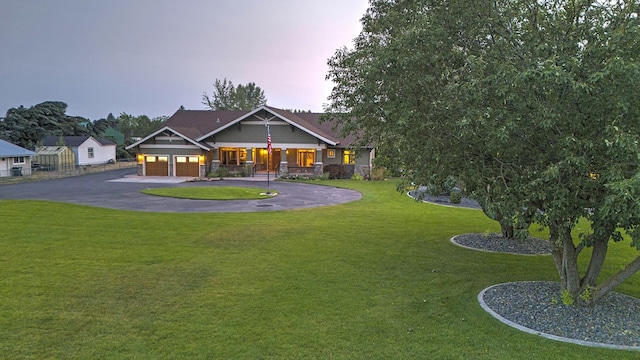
x: 195, y: 142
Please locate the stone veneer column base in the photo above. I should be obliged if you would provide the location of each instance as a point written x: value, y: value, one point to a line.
x: 284, y: 168
x: 362, y: 170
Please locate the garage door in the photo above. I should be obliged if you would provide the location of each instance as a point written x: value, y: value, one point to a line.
x: 187, y: 166
x: 156, y: 165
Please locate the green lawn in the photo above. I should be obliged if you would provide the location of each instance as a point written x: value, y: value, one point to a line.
x: 373, y: 279
x: 211, y: 193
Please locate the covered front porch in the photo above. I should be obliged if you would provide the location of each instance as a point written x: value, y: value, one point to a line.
x: 259, y: 160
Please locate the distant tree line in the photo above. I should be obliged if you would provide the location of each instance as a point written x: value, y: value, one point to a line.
x: 27, y: 127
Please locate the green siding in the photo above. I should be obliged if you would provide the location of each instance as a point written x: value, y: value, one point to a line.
x: 255, y: 133
x: 175, y: 141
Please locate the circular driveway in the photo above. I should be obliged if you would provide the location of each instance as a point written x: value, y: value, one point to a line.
x: 113, y: 190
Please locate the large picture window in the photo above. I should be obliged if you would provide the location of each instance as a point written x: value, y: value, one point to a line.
x: 233, y: 156
x: 306, y: 158
x: 349, y: 157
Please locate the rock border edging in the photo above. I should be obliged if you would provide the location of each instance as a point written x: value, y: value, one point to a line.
x: 506, y: 321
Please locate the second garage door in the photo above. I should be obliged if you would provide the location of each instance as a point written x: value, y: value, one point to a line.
x: 187, y: 166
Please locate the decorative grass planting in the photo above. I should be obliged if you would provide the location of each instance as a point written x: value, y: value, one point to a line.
x: 377, y: 278
x: 211, y: 193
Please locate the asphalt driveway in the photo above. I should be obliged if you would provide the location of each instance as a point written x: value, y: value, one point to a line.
x: 113, y: 190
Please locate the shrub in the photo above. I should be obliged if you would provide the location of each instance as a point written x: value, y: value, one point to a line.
x: 357, y: 177
x: 378, y: 173
x: 221, y: 172
x: 335, y: 171
x: 455, y: 197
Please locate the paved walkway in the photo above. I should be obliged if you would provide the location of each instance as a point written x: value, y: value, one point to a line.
x: 120, y: 189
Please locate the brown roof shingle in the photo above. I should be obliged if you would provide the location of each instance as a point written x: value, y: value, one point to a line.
x: 197, y: 123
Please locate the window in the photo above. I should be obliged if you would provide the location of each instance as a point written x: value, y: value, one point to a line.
x: 331, y: 153
x: 349, y: 157
x: 90, y: 152
x: 18, y: 160
x: 233, y: 156
x: 306, y: 158
x: 183, y: 159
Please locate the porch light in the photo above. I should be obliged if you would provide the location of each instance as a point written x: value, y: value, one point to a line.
x: 140, y: 158
x: 201, y: 159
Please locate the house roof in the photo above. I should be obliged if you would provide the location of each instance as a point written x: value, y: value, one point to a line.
x: 311, y: 124
x: 171, y: 130
x: 196, y: 126
x: 72, y: 141
x: 11, y: 150
x: 200, y: 124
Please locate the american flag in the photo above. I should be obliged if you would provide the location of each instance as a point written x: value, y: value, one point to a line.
x: 269, y: 148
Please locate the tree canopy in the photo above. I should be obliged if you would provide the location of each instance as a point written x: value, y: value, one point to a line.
x: 532, y: 105
x: 227, y: 96
x: 26, y: 127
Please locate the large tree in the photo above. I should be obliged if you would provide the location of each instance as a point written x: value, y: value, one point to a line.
x: 138, y: 126
x: 532, y: 104
x: 227, y: 96
x: 26, y: 127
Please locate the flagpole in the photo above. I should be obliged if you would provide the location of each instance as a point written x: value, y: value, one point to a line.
x: 268, y: 156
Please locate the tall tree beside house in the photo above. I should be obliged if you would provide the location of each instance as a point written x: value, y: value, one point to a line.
x: 532, y: 104
x: 139, y: 126
x: 226, y: 96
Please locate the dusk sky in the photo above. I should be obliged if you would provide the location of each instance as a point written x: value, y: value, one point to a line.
x: 147, y: 57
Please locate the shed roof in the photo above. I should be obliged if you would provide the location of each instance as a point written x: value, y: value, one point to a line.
x: 51, y: 150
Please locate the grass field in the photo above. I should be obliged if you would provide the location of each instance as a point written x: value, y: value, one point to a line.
x: 373, y: 279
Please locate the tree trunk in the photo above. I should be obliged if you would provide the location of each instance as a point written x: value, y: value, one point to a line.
x: 565, y: 256
x: 622, y: 275
x: 558, y: 254
x: 508, y: 232
x: 600, y: 247
x: 570, y: 264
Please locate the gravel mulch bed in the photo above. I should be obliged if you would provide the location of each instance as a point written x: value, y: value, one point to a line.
x: 536, y: 307
x: 494, y: 242
x: 422, y: 195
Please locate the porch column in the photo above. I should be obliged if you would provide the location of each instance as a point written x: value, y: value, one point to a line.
x: 215, y: 159
x: 284, y: 165
x: 319, y: 168
x: 249, y: 163
x: 140, y: 167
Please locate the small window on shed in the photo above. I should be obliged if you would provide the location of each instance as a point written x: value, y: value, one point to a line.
x: 90, y: 152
